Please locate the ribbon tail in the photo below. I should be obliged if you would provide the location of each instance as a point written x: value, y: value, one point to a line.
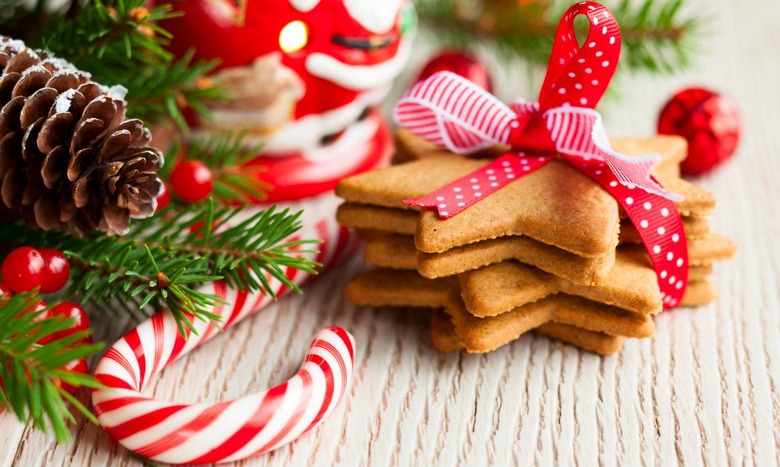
x: 659, y: 225
x: 630, y: 171
x: 451, y: 111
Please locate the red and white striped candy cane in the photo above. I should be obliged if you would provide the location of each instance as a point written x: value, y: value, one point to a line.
x: 232, y: 430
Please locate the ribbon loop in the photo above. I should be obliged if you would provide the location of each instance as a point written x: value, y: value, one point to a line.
x: 455, y: 113
x: 579, y: 76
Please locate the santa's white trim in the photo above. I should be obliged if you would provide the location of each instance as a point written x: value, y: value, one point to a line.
x: 304, y: 6
x: 376, y: 16
x: 359, y: 77
x: 307, y: 132
x: 349, y: 148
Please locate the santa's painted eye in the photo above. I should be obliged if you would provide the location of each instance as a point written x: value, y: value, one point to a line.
x: 293, y: 37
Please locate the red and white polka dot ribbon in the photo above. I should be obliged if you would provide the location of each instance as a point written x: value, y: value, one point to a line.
x: 231, y: 430
x: 453, y: 112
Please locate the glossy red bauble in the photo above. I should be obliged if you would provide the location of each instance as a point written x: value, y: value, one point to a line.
x: 192, y: 181
x: 76, y: 366
x: 57, y: 270
x: 709, y: 121
x: 461, y: 64
x: 76, y: 313
x: 24, y: 269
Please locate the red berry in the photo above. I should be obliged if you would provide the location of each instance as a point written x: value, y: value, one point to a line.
x: 164, y: 198
x: 24, y: 269
x: 41, y: 316
x: 38, y: 307
x: 79, y: 317
x: 460, y: 63
x: 709, y: 121
x: 76, y: 366
x: 192, y: 181
x: 57, y: 270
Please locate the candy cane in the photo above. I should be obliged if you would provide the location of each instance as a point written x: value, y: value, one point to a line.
x: 231, y: 430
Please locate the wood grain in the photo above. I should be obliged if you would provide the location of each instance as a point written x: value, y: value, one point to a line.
x: 704, y: 391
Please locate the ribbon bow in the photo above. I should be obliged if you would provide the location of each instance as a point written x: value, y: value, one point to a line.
x: 455, y: 113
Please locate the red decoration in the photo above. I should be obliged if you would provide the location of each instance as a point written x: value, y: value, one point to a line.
x: 709, y: 121
x: 305, y: 78
x: 164, y: 199
x: 192, y: 181
x: 76, y: 366
x: 24, y: 269
x: 451, y: 111
x: 57, y: 270
x: 461, y: 64
x: 76, y: 313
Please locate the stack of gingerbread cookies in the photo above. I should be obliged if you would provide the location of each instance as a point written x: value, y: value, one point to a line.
x: 550, y: 252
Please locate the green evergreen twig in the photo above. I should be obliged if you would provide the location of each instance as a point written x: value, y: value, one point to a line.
x: 122, y: 43
x: 31, y: 374
x: 162, y: 261
x: 657, y: 36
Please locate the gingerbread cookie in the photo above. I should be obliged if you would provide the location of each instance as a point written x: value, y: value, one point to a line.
x: 445, y: 339
x: 479, y: 335
x: 398, y: 252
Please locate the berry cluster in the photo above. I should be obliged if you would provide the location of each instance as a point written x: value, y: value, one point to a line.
x: 46, y: 270
x: 192, y: 182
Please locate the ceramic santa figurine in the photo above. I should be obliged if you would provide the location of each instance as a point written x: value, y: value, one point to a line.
x: 304, y: 79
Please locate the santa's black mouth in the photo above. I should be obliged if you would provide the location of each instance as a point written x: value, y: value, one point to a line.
x: 364, y: 43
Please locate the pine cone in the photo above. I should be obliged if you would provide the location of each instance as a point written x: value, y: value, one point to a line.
x: 68, y: 158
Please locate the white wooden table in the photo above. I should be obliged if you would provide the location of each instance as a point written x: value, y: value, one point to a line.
x: 705, y: 390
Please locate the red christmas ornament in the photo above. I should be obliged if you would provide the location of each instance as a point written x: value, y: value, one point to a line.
x: 709, y: 121
x: 57, y: 270
x: 192, y: 181
x: 24, y: 269
x: 461, y: 64
x: 77, y: 314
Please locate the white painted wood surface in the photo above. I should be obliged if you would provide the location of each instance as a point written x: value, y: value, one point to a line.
x: 705, y: 390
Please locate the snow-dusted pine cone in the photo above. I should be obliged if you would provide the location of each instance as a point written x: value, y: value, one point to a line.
x: 68, y: 158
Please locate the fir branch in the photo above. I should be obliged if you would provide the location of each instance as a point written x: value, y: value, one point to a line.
x: 657, y: 36
x: 163, y: 260
x: 122, y: 44
x: 31, y: 374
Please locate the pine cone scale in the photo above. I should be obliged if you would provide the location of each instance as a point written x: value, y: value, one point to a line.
x: 87, y: 131
x: 31, y: 81
x: 7, y: 84
x: 8, y: 147
x: 55, y: 164
x: 11, y: 114
x: 37, y: 106
x: 12, y: 189
x: 56, y: 131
